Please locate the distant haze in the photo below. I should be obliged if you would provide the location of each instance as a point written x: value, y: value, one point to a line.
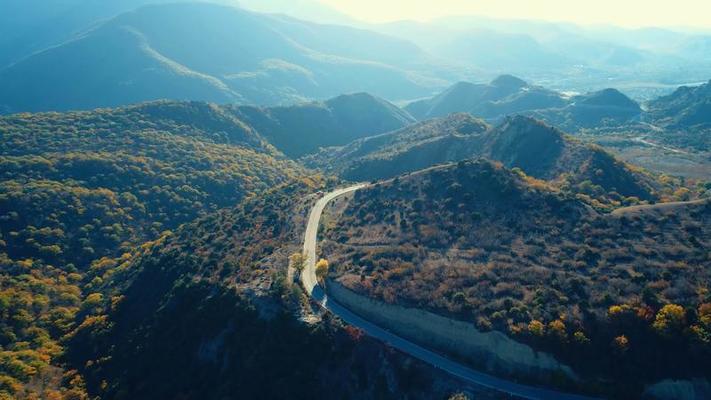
x: 629, y: 13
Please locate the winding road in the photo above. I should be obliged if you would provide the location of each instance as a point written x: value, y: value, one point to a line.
x: 310, y: 283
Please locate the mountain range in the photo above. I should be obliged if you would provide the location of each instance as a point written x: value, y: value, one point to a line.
x: 585, y: 57
x: 172, y: 173
x: 541, y: 151
x: 508, y: 95
x: 126, y: 220
x: 504, y: 95
x: 247, y: 57
x: 237, y: 56
x: 687, y: 107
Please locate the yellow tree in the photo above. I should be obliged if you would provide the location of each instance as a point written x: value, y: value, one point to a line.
x: 536, y: 328
x: 557, y: 330
x: 670, y: 319
x: 322, y: 270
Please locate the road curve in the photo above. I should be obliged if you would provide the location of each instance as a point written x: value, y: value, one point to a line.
x: 670, y: 206
x: 308, y: 279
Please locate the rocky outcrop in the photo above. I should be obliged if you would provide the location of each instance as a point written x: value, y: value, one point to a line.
x: 492, y: 351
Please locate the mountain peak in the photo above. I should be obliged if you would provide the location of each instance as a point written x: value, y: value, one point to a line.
x: 353, y: 97
x: 609, y: 97
x: 509, y: 81
x: 351, y: 105
x: 525, y: 121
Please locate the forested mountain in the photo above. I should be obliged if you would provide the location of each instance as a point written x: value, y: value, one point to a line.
x: 504, y: 95
x: 621, y: 297
x: 301, y: 129
x: 235, y: 56
x: 687, y: 107
x: 89, y: 202
x: 539, y: 150
x: 601, y: 109
x: 509, y: 95
x: 163, y: 164
x: 226, y: 273
x: 79, y: 189
x: 28, y: 26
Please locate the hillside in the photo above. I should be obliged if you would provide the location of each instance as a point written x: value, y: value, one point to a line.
x: 77, y: 189
x: 301, y: 129
x: 604, y: 108
x: 414, y: 147
x: 687, y: 107
x: 539, y: 150
x: 235, y: 56
x: 621, y: 298
x: 504, y: 95
x: 28, y: 26
x: 226, y: 273
x: 508, y: 95
x: 494, y: 50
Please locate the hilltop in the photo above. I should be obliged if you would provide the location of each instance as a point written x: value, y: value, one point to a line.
x: 687, y: 107
x: 504, y: 95
x: 304, y: 128
x: 408, y: 149
x: 486, y: 245
x: 541, y: 151
x: 601, y: 109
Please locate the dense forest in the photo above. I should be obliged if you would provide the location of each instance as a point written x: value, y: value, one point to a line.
x: 511, y: 253
x: 79, y: 191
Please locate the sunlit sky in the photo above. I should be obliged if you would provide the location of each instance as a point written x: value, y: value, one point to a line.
x: 630, y: 13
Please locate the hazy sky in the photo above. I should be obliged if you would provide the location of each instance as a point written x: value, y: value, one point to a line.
x: 634, y: 13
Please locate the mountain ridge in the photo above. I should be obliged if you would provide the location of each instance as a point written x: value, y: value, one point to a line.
x: 536, y: 148
x: 238, y: 56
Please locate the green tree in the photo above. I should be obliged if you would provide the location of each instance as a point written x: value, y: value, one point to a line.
x: 298, y: 261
